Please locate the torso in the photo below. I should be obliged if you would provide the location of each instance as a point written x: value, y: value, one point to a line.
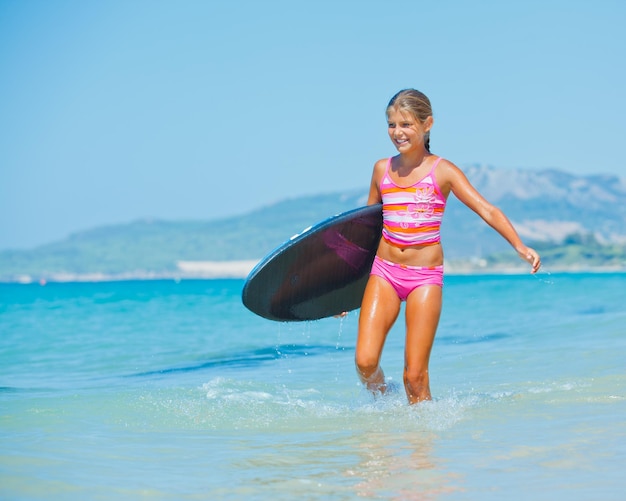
x: 413, y: 205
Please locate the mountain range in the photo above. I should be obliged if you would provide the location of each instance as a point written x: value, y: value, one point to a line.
x: 550, y: 209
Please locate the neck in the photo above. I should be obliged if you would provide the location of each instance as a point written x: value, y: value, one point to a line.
x: 414, y: 159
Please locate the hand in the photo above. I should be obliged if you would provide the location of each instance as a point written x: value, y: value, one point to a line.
x: 530, y: 255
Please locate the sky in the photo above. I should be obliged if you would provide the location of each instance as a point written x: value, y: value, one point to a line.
x: 123, y: 110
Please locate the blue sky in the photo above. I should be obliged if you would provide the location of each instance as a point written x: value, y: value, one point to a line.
x: 114, y: 111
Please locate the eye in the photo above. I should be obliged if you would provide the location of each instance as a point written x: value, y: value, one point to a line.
x: 406, y: 125
x: 391, y: 125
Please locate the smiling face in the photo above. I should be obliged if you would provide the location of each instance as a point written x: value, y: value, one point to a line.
x: 410, y: 111
x: 407, y: 132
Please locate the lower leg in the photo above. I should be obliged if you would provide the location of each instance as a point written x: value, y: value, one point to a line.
x: 417, y: 386
x: 422, y: 316
x: 379, y: 310
x: 374, y: 380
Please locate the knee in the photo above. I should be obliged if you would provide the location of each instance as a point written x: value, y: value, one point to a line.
x: 366, y: 365
x: 416, y: 379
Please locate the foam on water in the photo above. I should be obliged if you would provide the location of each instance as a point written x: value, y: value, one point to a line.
x: 229, y: 404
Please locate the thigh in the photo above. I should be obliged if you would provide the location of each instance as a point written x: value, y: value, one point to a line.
x: 379, y: 310
x: 423, y: 309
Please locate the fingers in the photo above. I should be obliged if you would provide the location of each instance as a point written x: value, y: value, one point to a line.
x: 533, y: 258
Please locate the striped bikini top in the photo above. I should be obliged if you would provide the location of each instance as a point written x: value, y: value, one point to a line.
x: 412, y: 215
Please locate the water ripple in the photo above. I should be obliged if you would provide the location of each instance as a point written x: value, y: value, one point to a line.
x: 248, y: 358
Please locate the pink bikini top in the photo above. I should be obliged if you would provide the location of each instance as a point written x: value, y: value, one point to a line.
x: 412, y: 215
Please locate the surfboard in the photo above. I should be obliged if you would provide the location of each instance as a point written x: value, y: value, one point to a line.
x: 318, y: 273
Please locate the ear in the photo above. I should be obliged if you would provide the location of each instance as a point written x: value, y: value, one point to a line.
x: 428, y: 123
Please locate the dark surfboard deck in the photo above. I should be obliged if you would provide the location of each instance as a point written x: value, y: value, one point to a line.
x: 318, y: 273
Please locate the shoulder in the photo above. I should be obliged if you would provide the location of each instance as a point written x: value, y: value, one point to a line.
x: 451, y: 178
x: 448, y: 173
x: 445, y: 166
x: 380, y: 167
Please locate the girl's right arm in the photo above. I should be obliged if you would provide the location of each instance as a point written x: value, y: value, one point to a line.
x: 374, y: 194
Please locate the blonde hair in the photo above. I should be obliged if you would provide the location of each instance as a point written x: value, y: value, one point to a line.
x: 417, y: 104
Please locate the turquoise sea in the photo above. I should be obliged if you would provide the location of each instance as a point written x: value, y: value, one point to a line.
x: 173, y: 391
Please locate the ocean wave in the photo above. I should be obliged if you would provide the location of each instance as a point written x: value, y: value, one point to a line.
x: 248, y: 358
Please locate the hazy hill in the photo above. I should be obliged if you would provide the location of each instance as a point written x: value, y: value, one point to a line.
x: 146, y: 246
x: 546, y: 206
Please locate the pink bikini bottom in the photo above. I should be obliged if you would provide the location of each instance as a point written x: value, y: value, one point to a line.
x: 405, y: 279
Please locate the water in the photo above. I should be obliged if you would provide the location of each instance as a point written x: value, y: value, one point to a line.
x: 165, y: 390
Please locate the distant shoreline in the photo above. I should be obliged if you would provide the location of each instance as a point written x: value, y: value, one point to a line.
x: 214, y: 270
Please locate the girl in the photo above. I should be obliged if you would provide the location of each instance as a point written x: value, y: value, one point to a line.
x: 413, y: 187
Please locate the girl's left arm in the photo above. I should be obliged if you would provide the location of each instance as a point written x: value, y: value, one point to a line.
x: 492, y: 215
